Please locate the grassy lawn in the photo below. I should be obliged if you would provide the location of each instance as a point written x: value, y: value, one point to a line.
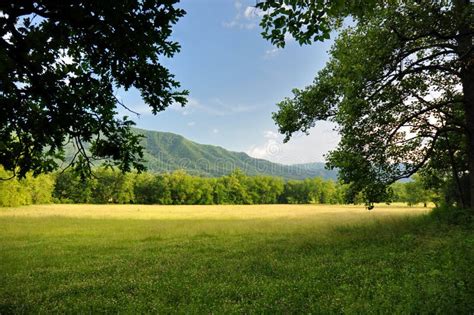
x: 233, y: 259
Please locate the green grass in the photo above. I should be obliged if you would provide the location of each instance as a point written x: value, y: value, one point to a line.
x: 233, y: 259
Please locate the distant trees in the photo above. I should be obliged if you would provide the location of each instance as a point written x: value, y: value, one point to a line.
x: 113, y: 187
x: 414, y: 192
x: 29, y: 190
x: 179, y: 188
x: 69, y: 189
x: 146, y: 189
x: 265, y: 189
x: 107, y: 186
x: 315, y: 190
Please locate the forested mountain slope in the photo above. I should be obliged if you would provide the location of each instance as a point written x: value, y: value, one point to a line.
x: 167, y: 152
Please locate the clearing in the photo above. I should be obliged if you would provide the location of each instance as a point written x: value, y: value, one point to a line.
x: 233, y: 259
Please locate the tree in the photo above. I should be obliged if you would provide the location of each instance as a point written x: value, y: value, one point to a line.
x: 204, y: 189
x: 182, y: 188
x: 399, y: 85
x: 160, y: 188
x: 61, y: 63
x: 236, y: 188
x: 307, y: 21
x: 144, y: 189
x: 415, y: 192
x: 69, y: 187
x: 111, y: 186
x: 220, y: 194
x: 41, y: 188
x: 25, y: 191
x: 398, y: 192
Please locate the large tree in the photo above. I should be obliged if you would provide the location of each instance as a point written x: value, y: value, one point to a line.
x: 61, y: 63
x: 399, y: 85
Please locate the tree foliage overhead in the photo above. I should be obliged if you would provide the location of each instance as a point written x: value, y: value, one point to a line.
x: 307, y: 20
x: 399, y: 85
x: 61, y: 62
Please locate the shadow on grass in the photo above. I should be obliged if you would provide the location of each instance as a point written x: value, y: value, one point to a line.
x: 401, y: 265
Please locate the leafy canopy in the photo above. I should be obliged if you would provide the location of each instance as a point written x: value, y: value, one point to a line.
x: 61, y: 62
x: 307, y: 20
x: 395, y: 85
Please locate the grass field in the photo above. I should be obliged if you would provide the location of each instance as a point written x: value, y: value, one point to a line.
x: 233, y: 259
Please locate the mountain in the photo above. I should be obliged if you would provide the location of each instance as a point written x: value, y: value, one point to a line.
x: 166, y: 151
x: 317, y: 169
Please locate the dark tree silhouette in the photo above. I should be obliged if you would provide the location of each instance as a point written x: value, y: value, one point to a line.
x: 60, y: 62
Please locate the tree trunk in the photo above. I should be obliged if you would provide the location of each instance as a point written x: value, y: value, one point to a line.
x: 466, y: 54
x: 460, y: 190
x: 468, y: 89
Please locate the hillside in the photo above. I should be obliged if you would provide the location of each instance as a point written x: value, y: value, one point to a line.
x: 166, y: 151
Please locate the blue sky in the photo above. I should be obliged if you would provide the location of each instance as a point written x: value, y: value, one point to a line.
x: 235, y: 79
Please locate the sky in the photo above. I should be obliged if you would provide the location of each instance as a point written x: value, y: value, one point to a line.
x: 235, y: 79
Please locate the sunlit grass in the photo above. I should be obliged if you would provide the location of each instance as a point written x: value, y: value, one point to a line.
x: 217, y: 212
x: 214, y: 259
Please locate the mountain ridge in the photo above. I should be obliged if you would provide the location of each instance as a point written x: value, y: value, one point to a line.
x: 166, y: 152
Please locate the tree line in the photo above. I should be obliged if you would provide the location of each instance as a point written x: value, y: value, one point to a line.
x: 179, y: 188
x: 26, y: 191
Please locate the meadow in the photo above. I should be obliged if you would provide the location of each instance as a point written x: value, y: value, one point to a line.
x: 233, y: 259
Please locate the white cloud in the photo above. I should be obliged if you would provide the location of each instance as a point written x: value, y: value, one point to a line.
x: 271, y: 53
x: 238, y: 5
x: 289, y: 38
x: 214, y: 107
x: 215, y: 131
x: 268, y: 150
x: 269, y: 134
x: 245, y: 17
x: 221, y: 108
x: 249, y: 12
x: 187, y: 109
x: 275, y: 51
x: 300, y: 149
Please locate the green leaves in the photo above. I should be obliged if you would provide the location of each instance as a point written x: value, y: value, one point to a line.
x: 392, y: 85
x: 306, y: 21
x: 61, y: 64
